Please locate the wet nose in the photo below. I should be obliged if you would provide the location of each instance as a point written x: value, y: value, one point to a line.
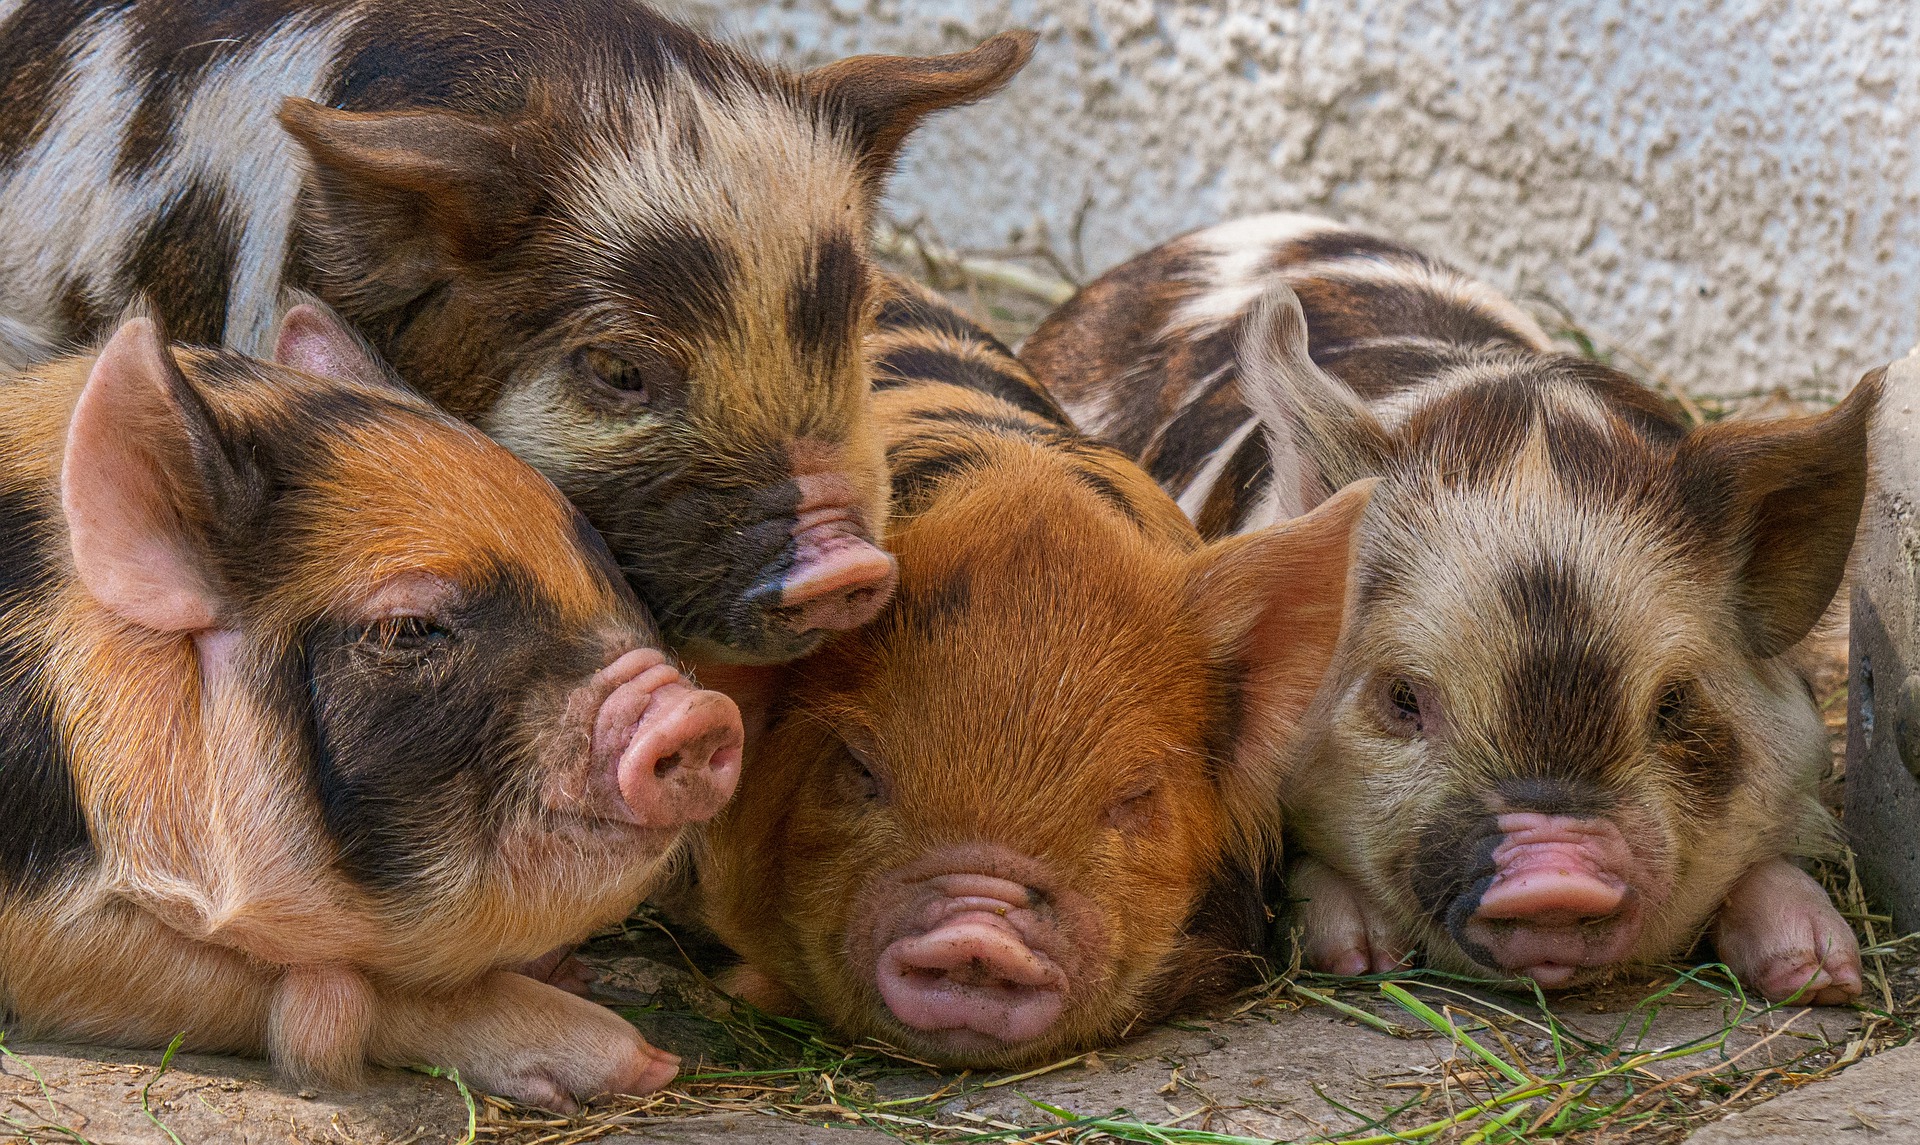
x: 1551, y: 891
x: 973, y: 971
x: 683, y: 759
x: 836, y: 588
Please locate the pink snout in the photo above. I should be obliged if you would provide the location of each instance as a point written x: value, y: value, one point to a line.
x: 1560, y: 899
x: 671, y: 750
x: 971, y: 966
x: 839, y: 579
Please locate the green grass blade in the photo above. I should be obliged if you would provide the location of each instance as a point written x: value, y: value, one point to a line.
x: 146, y: 1091
x: 1441, y: 1023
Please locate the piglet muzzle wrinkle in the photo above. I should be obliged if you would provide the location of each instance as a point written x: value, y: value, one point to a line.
x: 673, y: 750
x: 972, y: 968
x: 1559, y: 899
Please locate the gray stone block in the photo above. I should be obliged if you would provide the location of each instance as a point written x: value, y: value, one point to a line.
x: 1876, y: 1101
x: 1883, y: 697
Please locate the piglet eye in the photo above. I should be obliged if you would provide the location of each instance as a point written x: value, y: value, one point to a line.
x: 642, y: 376
x: 394, y: 639
x: 1670, y: 712
x: 863, y: 778
x: 1405, y: 709
x: 1134, y: 811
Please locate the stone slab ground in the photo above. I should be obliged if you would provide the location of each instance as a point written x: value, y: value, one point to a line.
x: 1288, y: 1068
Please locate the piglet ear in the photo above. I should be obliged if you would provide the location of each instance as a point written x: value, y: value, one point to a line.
x: 881, y: 99
x: 1276, y: 604
x: 314, y: 340
x: 1785, y: 497
x: 1305, y: 411
x: 434, y: 184
x: 130, y: 485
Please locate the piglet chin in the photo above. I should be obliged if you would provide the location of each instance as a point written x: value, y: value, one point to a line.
x: 670, y: 751
x: 974, y: 973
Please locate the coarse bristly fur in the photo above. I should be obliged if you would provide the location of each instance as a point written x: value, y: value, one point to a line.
x: 1069, y: 692
x: 1571, y: 604
x: 298, y: 678
x: 632, y: 255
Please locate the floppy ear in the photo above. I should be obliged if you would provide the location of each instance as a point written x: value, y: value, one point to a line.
x: 881, y: 99
x: 433, y: 184
x: 133, y: 486
x: 1303, y: 409
x: 1275, y: 603
x: 314, y: 340
x: 1788, y: 494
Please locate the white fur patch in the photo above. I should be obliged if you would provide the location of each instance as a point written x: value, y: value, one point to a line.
x: 231, y: 117
x: 70, y: 220
x: 1237, y: 255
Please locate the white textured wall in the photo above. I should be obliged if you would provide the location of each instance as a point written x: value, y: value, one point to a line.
x: 1729, y: 191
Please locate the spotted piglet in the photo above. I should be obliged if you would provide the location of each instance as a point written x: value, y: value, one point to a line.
x: 1566, y: 733
x: 1026, y: 808
x: 322, y: 713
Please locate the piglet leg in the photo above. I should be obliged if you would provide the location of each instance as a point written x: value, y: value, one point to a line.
x: 1344, y: 933
x: 1781, y: 935
x: 523, y: 1040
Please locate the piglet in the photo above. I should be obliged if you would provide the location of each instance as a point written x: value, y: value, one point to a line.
x: 322, y: 713
x: 1026, y: 809
x: 1569, y: 731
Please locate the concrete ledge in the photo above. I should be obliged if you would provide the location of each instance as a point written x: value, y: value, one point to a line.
x: 1883, y: 696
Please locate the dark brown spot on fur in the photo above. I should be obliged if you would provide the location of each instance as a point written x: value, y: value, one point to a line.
x: 1561, y: 713
x: 1236, y: 493
x: 1192, y: 437
x: 682, y: 277
x: 825, y: 309
x: 45, y: 828
x: 184, y: 264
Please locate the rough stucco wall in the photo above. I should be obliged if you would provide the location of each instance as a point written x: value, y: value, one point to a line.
x: 1728, y: 191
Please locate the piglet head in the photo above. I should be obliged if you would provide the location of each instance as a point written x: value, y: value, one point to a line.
x: 382, y: 592
x: 1564, y: 727
x: 1014, y: 814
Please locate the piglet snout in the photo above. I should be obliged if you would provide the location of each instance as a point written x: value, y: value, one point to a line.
x: 1558, y: 900
x: 972, y: 968
x: 672, y: 750
x: 839, y: 578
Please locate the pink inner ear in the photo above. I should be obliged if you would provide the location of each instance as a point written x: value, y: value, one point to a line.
x: 315, y: 341
x: 126, y: 451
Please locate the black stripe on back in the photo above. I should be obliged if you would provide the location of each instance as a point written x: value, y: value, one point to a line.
x: 36, y: 57
x: 1230, y: 503
x: 184, y: 264
x: 909, y: 365
x: 910, y: 312
x: 1182, y: 449
x: 43, y: 830
x: 1343, y: 310
x: 918, y: 469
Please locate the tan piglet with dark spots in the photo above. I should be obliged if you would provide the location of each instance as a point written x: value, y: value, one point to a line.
x: 1026, y: 809
x: 1566, y: 734
x: 323, y: 715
